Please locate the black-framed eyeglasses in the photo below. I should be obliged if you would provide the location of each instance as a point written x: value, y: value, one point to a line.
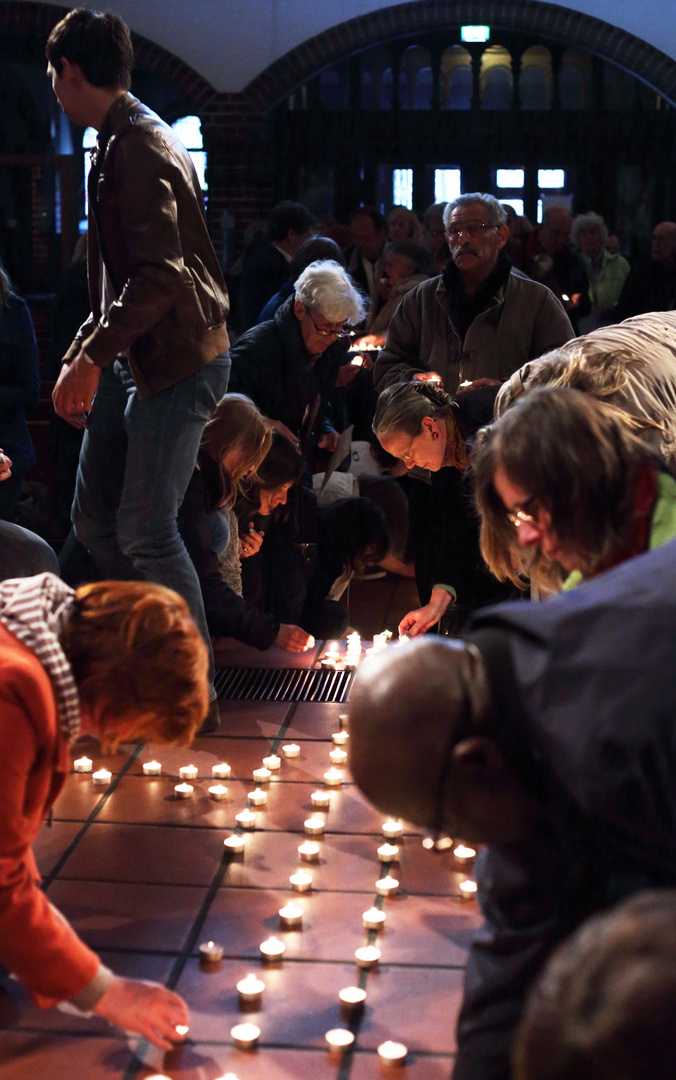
x: 523, y: 515
x: 343, y: 332
x: 472, y: 228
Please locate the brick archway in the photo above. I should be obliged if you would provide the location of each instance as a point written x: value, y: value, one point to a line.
x: 35, y: 21
x: 550, y: 21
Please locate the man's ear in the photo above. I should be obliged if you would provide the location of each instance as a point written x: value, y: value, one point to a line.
x: 503, y: 235
x: 298, y: 309
x: 480, y: 756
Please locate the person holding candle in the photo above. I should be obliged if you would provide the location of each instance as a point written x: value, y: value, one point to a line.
x: 425, y: 427
x: 548, y: 736
x: 121, y: 661
x: 561, y: 477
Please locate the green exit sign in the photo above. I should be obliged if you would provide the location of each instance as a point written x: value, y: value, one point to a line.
x: 475, y: 33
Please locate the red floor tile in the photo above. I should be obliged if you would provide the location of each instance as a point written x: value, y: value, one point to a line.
x: 152, y: 855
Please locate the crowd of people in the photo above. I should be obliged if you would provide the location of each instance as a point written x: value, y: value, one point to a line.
x: 510, y: 460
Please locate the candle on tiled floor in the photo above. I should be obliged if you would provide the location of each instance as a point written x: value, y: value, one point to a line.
x: 188, y: 772
x: 272, y: 948
x: 102, y: 777
x: 220, y: 771
x: 333, y: 777
x: 261, y: 776
x: 367, y: 956
x: 152, y: 768
x: 272, y: 762
x: 183, y: 791
x: 314, y: 826
x: 250, y: 988
x: 352, y: 997
x: 257, y: 797
x: 245, y: 1036
x: 291, y: 916
x: 464, y: 854
x: 210, y: 952
x: 235, y: 843
x: 374, y: 919
x: 309, y: 851
x: 218, y: 792
x: 321, y: 799
x: 338, y: 756
x: 388, y: 853
x: 387, y: 886
x: 339, y: 1039
x: 339, y: 738
x: 301, y: 881
x: 246, y: 819
x: 392, y: 1053
x: 182, y: 1030
x: 291, y: 750
x: 468, y: 889
x: 83, y: 764
x: 392, y: 827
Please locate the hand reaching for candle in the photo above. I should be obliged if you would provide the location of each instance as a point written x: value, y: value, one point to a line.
x: 419, y: 621
x: 146, y: 1008
x: 293, y: 638
x: 250, y: 542
x: 427, y: 376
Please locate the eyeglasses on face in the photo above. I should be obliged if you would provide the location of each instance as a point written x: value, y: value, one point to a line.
x: 473, y: 229
x: 524, y: 516
x: 343, y: 331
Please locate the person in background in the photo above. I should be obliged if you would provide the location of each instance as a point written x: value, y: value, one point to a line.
x: 406, y: 265
x: 316, y: 249
x: 481, y: 319
x: 22, y: 553
x: 519, y: 231
x: 607, y: 273
x: 435, y: 236
x: 549, y: 258
x: 561, y: 479
x: 604, y: 1008
x: 402, y: 224
x: 19, y: 391
x: 365, y: 261
x: 423, y: 426
x: 120, y: 661
x: 651, y: 284
x: 289, y: 226
x: 235, y: 442
x: 548, y: 735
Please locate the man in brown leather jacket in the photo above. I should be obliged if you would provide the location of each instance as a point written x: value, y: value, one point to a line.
x: 150, y: 362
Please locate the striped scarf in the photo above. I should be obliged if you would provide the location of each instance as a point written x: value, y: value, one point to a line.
x: 33, y: 609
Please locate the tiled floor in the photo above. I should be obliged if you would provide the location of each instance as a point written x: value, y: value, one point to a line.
x: 144, y: 878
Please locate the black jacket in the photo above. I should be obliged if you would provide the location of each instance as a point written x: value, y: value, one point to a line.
x: 228, y: 615
x: 19, y: 380
x: 586, y: 685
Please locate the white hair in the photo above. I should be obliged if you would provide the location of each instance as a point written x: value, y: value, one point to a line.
x: 589, y: 221
x: 328, y: 288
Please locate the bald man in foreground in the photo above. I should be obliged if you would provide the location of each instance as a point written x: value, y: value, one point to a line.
x: 548, y: 735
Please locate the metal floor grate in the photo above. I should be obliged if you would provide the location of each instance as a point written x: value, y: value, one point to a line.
x: 282, y: 684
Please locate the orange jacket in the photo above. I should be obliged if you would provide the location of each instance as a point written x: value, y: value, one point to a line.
x: 36, y: 942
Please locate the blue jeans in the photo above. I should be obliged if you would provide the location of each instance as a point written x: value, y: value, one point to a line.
x: 137, y: 458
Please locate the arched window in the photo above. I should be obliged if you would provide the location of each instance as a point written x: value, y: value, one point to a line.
x: 574, y: 80
x: 332, y: 89
x: 386, y: 89
x: 189, y: 131
x: 416, y: 91
x: 535, y: 83
x: 423, y: 89
x: 456, y: 78
x: 495, y: 79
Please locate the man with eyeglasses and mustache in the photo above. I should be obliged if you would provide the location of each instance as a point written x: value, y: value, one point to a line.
x: 480, y: 319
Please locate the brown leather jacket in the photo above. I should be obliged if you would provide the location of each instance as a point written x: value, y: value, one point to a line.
x: 146, y: 222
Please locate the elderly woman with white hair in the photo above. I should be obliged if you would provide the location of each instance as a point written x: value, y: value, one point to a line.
x: 289, y: 365
x: 607, y: 272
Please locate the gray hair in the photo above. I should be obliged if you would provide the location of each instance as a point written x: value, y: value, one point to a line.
x: 589, y: 221
x: 327, y: 288
x: 496, y: 214
x: 403, y: 406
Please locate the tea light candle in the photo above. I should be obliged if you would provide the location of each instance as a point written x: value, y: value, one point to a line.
x: 182, y: 1030
x: 261, y: 776
x: 392, y: 1053
x: 152, y: 768
x: 442, y: 843
x: 333, y: 778
x: 250, y: 988
x: 291, y: 750
x: 218, y: 792
x: 188, y: 772
x: 464, y: 854
x: 388, y: 853
x: 102, y: 776
x: 83, y: 764
x: 339, y: 1039
x: 246, y: 819
x: 367, y: 957
x: 291, y: 916
x: 321, y: 799
x: 211, y: 952
x: 301, y: 881
x: 387, y: 886
x: 183, y: 791
x: 374, y: 919
x: 245, y: 1036
x: 352, y: 997
x: 314, y: 826
x: 272, y: 762
x: 339, y: 738
x: 257, y: 797
x: 344, y: 721
x: 221, y: 771
x: 468, y: 889
x: 309, y: 851
x: 272, y: 949
x: 234, y: 843
x: 392, y: 827
x: 338, y: 756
